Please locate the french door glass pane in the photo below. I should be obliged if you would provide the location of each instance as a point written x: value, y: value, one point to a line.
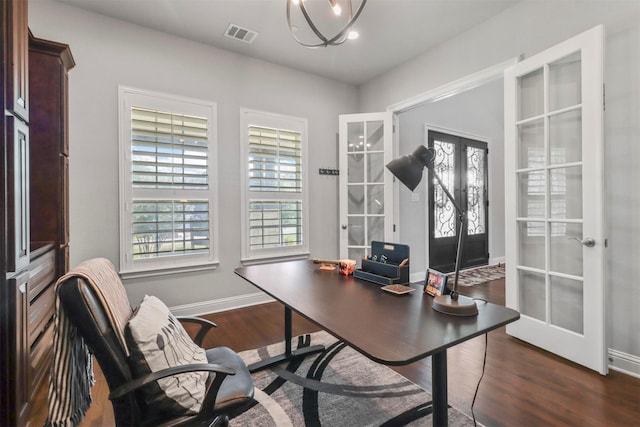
x: 532, y: 244
x: 531, y: 194
x: 375, y: 167
x: 475, y: 191
x: 356, y: 231
x: 565, y: 82
x: 566, y: 298
x: 375, y: 199
x: 355, y: 194
x: 532, y: 292
x: 531, y: 152
x: 375, y: 228
x: 444, y: 211
x: 375, y: 133
x: 357, y: 253
x: 531, y: 90
x: 566, y: 253
x: 565, y: 137
x: 566, y: 192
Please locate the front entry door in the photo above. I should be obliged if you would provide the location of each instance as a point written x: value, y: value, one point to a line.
x: 461, y: 164
x: 366, y: 192
x: 555, y: 239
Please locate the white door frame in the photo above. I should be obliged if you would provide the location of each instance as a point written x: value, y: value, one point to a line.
x: 447, y: 90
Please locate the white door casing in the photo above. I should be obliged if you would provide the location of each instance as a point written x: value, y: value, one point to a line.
x: 555, y: 243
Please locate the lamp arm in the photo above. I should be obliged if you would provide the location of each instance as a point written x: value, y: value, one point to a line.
x: 462, y: 217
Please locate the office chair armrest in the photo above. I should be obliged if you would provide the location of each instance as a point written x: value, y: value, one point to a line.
x: 204, y: 327
x: 136, y: 383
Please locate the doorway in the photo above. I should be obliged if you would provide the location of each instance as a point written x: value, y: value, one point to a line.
x: 461, y: 163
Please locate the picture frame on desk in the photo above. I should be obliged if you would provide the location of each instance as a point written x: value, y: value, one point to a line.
x: 435, y: 283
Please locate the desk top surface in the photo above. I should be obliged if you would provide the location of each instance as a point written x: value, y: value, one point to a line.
x: 387, y: 328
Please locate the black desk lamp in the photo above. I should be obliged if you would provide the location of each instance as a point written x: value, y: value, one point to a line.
x: 408, y: 169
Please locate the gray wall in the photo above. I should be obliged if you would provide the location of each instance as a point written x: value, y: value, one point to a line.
x: 109, y: 53
x: 530, y: 27
x: 478, y: 112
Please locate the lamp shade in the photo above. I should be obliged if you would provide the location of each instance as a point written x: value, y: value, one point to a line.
x: 408, y: 168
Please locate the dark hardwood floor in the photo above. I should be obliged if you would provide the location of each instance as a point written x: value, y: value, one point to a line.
x: 522, y: 385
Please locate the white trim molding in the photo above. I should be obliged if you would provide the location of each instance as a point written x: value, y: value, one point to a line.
x: 625, y: 363
x: 222, y: 304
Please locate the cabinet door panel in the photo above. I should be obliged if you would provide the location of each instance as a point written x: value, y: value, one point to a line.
x: 18, y: 195
x: 17, y: 68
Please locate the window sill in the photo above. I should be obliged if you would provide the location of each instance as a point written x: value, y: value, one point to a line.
x: 163, y: 271
x: 274, y: 258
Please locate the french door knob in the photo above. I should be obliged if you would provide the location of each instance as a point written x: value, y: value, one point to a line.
x: 345, y: 226
x: 587, y: 241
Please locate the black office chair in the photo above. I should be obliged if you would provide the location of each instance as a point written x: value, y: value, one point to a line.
x: 230, y: 387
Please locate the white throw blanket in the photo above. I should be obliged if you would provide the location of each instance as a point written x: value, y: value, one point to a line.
x: 71, y: 368
x: 71, y: 374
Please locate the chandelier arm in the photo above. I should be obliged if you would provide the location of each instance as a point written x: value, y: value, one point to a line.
x: 336, y: 40
x: 311, y: 24
x: 300, y: 42
x: 340, y: 38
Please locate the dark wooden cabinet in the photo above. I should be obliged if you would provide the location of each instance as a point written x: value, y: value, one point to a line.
x: 15, y: 25
x: 34, y: 211
x: 14, y: 215
x: 49, y: 64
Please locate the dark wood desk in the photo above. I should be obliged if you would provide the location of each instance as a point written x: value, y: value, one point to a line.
x: 387, y: 328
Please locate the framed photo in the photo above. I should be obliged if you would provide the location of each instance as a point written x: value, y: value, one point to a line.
x: 435, y: 283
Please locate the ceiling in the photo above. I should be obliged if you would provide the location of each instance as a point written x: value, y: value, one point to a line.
x: 391, y: 31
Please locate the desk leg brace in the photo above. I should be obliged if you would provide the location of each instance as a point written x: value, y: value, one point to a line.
x: 439, y: 389
x: 288, y: 354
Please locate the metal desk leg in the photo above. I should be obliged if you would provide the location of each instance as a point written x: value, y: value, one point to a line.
x: 288, y: 352
x: 439, y: 389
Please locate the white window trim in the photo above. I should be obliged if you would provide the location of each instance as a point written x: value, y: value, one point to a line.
x: 127, y: 97
x: 261, y: 118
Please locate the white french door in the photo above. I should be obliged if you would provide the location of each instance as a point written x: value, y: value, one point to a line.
x: 555, y: 240
x: 366, y: 191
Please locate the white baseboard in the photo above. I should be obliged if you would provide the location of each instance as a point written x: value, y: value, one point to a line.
x: 223, y: 304
x: 497, y: 260
x: 625, y: 363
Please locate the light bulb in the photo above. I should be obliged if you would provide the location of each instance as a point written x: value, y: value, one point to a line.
x: 353, y: 35
x: 337, y: 10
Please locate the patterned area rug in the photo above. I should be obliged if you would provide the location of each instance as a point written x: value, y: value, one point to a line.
x: 475, y: 276
x: 339, y: 387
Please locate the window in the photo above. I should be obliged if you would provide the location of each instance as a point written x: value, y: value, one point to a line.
x: 168, y: 208
x: 275, y: 205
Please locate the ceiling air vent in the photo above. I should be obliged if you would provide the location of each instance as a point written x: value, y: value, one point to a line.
x: 239, y: 33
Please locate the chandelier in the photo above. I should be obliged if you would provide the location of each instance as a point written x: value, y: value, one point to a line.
x: 342, y: 35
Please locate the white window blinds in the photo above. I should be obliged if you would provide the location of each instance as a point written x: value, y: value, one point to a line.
x: 275, y: 197
x: 275, y: 158
x: 168, y: 183
x: 168, y: 150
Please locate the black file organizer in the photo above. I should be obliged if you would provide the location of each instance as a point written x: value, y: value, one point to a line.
x: 389, y: 272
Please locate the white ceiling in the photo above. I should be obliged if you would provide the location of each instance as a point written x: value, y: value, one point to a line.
x: 391, y: 31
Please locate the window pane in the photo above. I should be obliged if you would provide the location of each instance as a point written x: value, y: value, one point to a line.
x: 444, y: 214
x: 275, y: 160
x: 169, y: 227
x: 476, y: 191
x: 275, y: 223
x: 168, y: 150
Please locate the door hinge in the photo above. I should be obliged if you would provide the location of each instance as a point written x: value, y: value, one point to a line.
x: 604, y: 98
x: 394, y: 228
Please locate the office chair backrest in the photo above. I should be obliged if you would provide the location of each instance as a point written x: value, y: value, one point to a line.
x: 86, y: 311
